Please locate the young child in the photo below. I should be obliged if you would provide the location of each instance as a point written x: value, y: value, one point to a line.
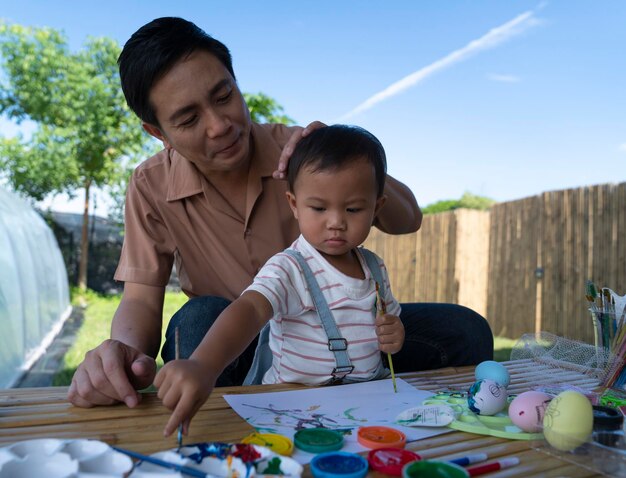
x: 319, y: 296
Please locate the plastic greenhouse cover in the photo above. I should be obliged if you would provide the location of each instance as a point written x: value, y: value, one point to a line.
x: 34, y: 292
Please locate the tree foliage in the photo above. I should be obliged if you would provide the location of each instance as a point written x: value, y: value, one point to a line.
x: 84, y: 132
x: 264, y: 109
x: 467, y: 201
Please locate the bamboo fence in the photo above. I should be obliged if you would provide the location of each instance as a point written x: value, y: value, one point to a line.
x: 522, y: 264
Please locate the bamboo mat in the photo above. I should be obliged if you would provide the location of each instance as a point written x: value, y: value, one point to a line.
x: 44, y: 412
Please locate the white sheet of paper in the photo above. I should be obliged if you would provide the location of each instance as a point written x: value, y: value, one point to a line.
x: 339, y: 407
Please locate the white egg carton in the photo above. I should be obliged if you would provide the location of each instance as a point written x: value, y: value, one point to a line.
x: 81, y: 458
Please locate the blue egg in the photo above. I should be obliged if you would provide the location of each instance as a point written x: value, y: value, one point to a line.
x: 492, y: 370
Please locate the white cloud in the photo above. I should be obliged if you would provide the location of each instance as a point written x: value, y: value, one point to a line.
x: 491, y: 39
x: 622, y: 147
x: 503, y: 78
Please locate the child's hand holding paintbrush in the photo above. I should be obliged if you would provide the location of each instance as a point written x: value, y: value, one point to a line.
x: 184, y: 386
x: 390, y: 332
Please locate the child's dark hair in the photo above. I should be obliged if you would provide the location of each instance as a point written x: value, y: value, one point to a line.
x: 334, y: 147
x: 153, y: 50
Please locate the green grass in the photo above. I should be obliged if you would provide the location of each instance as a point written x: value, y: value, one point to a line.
x: 502, y: 348
x: 97, y: 325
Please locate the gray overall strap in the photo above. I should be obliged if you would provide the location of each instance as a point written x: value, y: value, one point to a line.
x: 374, y: 267
x: 336, y: 343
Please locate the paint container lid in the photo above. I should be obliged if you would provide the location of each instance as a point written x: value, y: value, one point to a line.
x: 339, y: 464
x: 277, y: 443
x: 381, y: 437
x: 606, y: 418
x: 390, y: 461
x: 433, y: 469
x: 318, y: 440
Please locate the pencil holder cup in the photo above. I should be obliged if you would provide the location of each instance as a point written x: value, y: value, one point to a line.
x: 605, y: 330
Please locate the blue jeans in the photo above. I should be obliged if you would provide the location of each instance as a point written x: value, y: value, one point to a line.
x: 436, y: 335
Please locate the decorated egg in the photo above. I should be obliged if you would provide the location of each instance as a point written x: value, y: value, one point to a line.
x: 527, y: 410
x: 568, y: 420
x: 492, y: 370
x: 486, y: 397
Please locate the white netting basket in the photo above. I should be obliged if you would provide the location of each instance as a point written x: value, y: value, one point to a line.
x: 564, y: 353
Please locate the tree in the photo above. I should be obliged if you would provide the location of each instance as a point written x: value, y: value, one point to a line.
x: 264, y: 109
x: 467, y: 201
x: 85, y: 134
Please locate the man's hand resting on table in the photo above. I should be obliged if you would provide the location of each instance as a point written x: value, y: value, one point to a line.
x: 111, y: 373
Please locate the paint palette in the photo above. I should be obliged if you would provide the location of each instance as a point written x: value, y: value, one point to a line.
x: 499, y: 425
x: 55, y: 458
x: 220, y: 460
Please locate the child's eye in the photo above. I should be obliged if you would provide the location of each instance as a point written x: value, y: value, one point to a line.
x: 354, y: 209
x: 318, y: 208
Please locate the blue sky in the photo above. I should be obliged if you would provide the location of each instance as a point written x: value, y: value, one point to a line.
x: 505, y: 99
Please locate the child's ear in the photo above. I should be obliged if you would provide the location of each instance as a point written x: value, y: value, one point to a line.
x: 157, y: 133
x: 380, y: 202
x: 291, y: 199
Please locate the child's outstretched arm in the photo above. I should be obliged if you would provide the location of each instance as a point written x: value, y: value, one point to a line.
x: 390, y: 332
x: 184, y: 385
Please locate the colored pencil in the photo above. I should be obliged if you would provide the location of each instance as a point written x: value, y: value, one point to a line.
x: 469, y: 459
x: 493, y: 466
x: 380, y: 305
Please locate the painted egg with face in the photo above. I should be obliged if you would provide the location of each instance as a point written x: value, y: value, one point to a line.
x: 527, y: 410
x: 487, y: 397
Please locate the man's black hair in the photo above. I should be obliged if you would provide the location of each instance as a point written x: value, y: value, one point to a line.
x: 153, y: 50
x: 333, y: 147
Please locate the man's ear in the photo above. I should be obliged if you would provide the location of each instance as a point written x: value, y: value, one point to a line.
x: 157, y: 133
x: 380, y: 202
x: 292, y: 203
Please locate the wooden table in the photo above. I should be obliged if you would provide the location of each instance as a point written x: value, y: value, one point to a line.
x: 45, y: 412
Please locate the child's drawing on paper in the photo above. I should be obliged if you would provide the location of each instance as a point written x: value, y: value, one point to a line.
x: 298, y: 418
x: 344, y: 408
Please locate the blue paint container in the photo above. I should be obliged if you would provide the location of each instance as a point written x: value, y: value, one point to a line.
x: 339, y: 464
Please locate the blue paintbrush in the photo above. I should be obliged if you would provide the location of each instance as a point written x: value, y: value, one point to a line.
x: 185, y: 470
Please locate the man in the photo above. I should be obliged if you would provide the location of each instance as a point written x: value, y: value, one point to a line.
x: 212, y: 202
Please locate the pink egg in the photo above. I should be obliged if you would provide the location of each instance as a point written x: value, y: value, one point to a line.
x: 527, y: 410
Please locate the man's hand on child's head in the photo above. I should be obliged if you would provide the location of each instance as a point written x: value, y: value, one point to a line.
x: 390, y: 332
x: 285, y: 155
x: 184, y: 386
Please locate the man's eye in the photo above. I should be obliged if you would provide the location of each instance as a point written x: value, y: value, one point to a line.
x: 188, y: 122
x: 225, y: 98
